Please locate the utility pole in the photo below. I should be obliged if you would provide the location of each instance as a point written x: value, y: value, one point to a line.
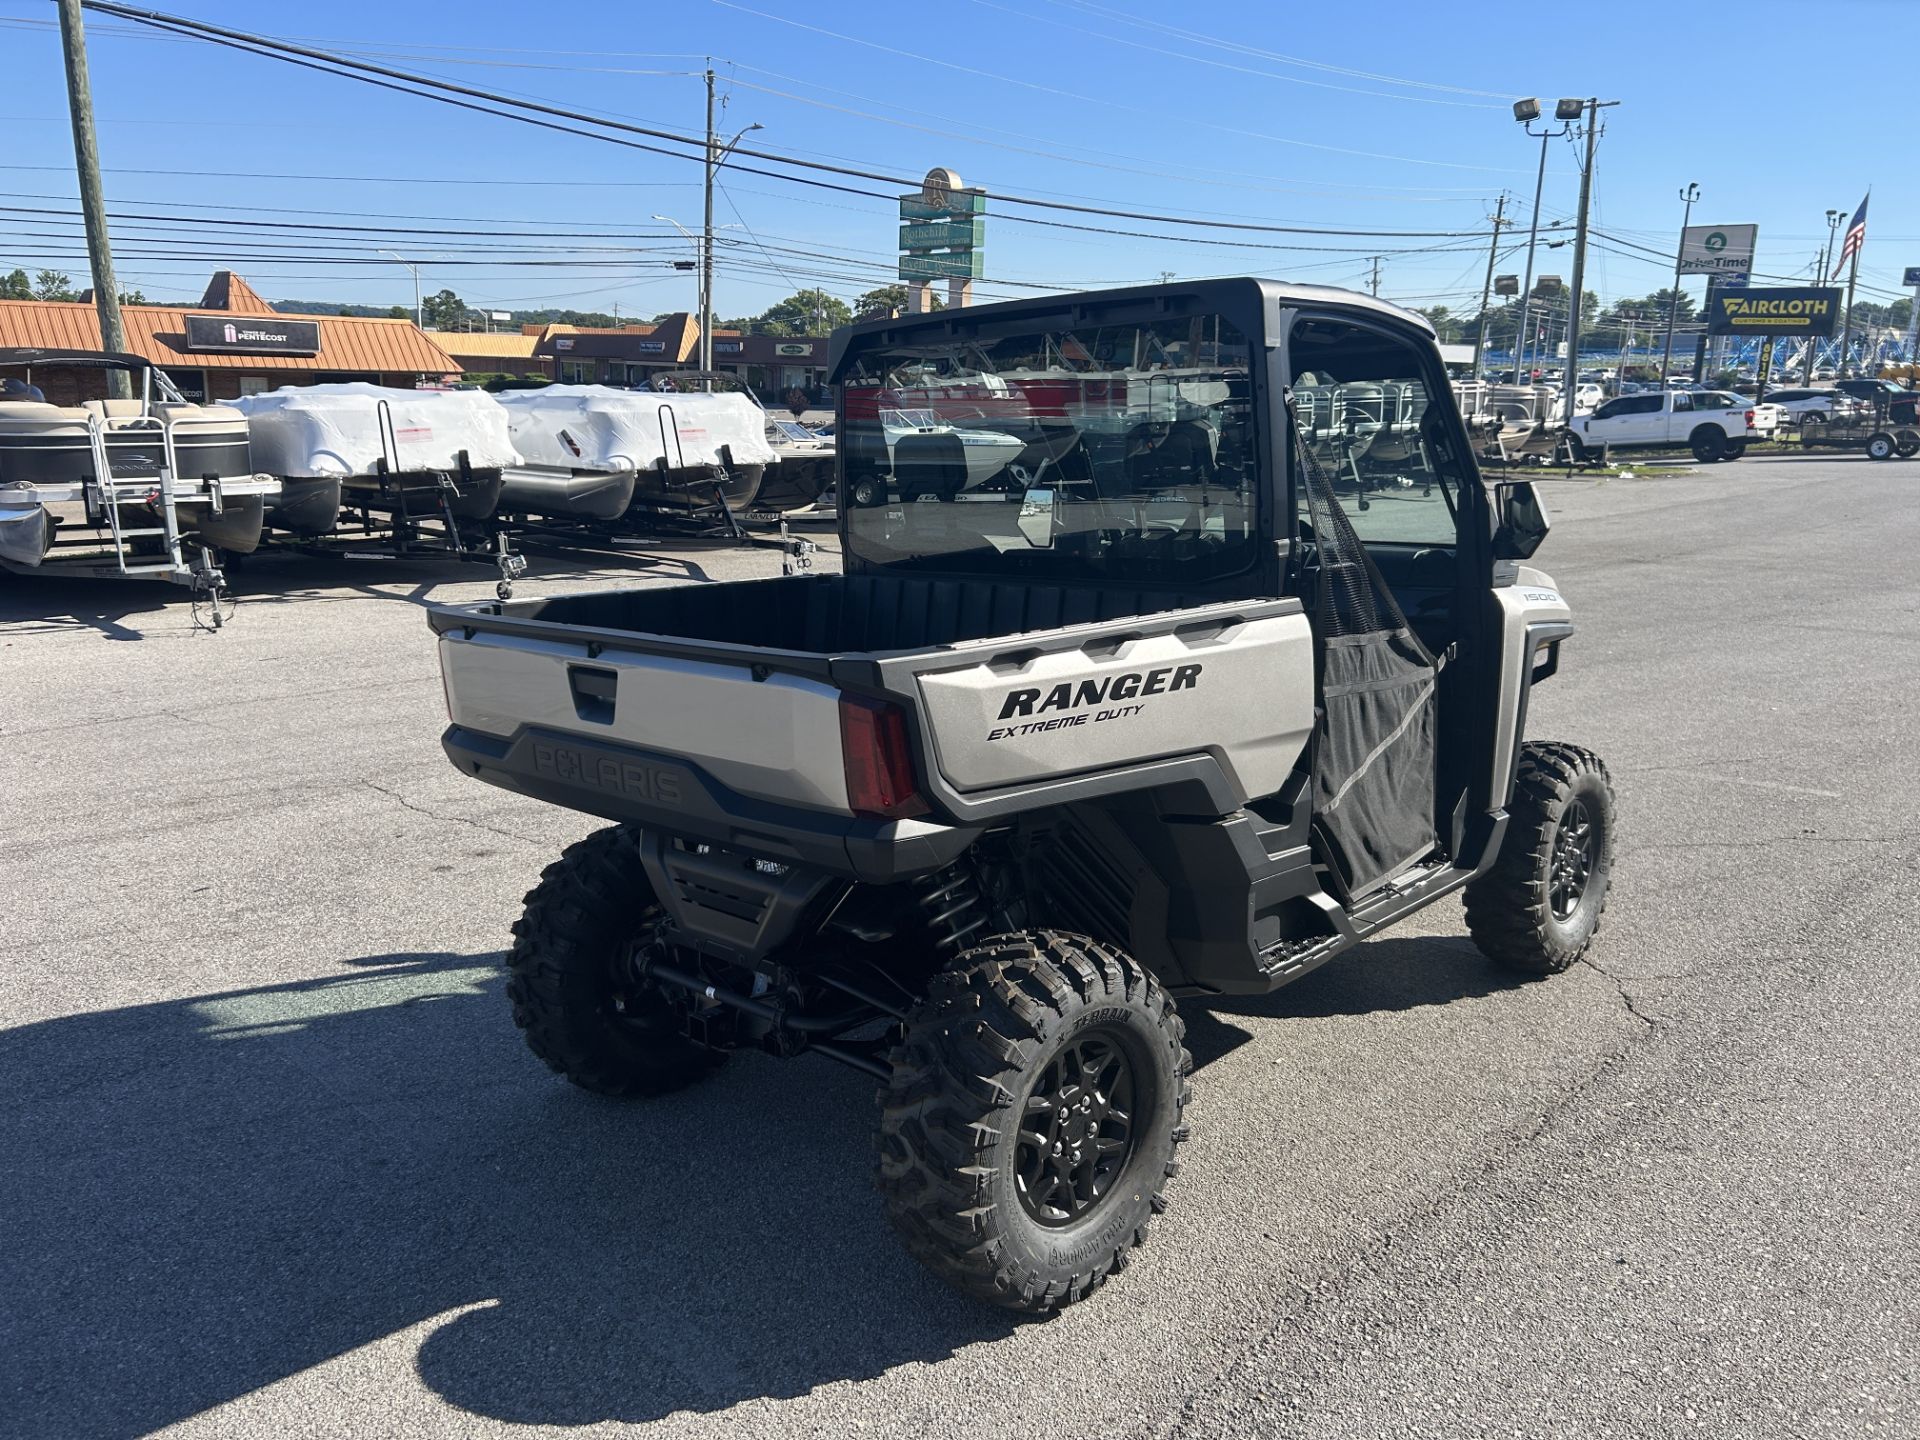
x: 93, y: 205
x: 1834, y: 217
x: 1690, y: 194
x: 1486, y: 289
x: 1374, y: 284
x: 1594, y: 107
x: 706, y: 243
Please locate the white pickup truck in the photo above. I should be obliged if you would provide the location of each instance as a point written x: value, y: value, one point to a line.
x: 1714, y: 424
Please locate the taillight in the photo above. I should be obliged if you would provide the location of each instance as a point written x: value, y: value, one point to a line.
x: 1749, y: 419
x: 878, y: 760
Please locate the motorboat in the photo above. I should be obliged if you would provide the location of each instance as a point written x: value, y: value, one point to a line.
x: 123, y: 487
x: 954, y: 458
x: 417, y: 453
x: 805, y: 471
x: 594, y: 451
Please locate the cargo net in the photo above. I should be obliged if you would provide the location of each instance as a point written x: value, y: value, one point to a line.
x: 1351, y: 598
x: 1374, y: 753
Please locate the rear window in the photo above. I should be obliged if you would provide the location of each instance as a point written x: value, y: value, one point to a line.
x: 1071, y: 450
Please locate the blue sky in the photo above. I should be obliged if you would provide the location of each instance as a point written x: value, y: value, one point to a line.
x: 1379, y: 116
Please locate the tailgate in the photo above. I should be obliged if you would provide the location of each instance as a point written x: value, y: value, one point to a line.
x: 760, y: 731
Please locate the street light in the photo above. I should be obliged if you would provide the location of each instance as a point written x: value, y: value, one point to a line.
x: 1689, y: 195
x: 1526, y: 112
x: 715, y: 159
x: 419, y: 316
x: 702, y: 299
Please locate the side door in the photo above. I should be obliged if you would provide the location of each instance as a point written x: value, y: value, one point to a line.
x: 1389, y: 765
x: 1679, y: 417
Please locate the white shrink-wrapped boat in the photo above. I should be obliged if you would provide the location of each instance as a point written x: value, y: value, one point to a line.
x: 591, y: 450
x: 379, y: 448
x: 148, y: 486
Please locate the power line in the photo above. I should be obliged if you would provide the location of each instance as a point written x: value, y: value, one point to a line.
x: 368, y: 73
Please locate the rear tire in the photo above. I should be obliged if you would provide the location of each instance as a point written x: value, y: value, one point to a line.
x: 1708, y: 444
x: 1735, y: 449
x: 569, y: 981
x: 1029, y: 1127
x: 1539, y: 907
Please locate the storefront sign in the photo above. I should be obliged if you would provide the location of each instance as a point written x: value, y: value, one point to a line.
x: 794, y: 347
x: 650, y: 347
x: 1710, y: 249
x: 252, y: 335
x: 726, y: 347
x: 192, y: 384
x: 1808, y: 310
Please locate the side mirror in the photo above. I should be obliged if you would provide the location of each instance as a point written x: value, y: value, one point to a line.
x: 1523, y: 523
x: 1036, y: 521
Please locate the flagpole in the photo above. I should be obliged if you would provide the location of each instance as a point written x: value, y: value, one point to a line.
x: 1853, y: 276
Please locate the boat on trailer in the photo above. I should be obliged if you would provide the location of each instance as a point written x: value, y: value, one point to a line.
x: 601, y: 453
x: 411, y: 453
x: 147, y: 486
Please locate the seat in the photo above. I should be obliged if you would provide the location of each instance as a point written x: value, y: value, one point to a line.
x: 114, y: 409
x: 929, y: 465
x: 1184, y: 456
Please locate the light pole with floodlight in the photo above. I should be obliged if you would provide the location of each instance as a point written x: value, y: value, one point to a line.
x: 1526, y: 112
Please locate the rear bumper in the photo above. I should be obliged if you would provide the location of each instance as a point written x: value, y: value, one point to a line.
x: 671, y: 796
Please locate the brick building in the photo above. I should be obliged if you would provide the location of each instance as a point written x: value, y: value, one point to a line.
x: 212, y: 352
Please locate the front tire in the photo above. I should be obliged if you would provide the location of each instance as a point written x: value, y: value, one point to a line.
x: 570, y: 981
x: 1539, y: 907
x: 1029, y: 1127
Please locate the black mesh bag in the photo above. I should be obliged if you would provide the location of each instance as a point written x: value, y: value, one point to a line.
x: 1373, y: 766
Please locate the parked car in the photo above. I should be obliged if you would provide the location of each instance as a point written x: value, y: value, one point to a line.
x: 1820, y: 405
x: 1588, y: 396
x: 1875, y: 393
x: 1715, y: 425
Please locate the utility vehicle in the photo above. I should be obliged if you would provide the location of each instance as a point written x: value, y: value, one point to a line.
x: 1188, y: 698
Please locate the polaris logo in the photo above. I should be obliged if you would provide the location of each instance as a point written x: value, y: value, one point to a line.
x: 1125, y: 686
x: 630, y: 778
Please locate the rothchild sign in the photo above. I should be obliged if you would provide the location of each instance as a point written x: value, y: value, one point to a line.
x: 253, y: 335
x: 1717, y: 249
x: 1813, y: 310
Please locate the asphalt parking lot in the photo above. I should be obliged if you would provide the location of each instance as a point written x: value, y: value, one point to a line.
x: 275, y: 1161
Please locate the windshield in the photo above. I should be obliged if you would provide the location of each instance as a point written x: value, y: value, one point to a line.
x: 1091, y: 451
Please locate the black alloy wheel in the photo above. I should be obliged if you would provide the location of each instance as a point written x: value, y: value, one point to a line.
x: 1076, y: 1129
x: 1574, y: 846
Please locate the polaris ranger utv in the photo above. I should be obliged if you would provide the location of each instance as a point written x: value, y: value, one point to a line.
x: 1223, y: 668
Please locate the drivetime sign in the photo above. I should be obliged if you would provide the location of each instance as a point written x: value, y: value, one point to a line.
x: 1715, y: 249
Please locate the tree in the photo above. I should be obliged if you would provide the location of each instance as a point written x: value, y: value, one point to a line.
x: 399, y: 312
x: 132, y: 297
x: 888, y: 300
x: 16, y: 286
x: 444, y: 310
x: 807, y: 312
x: 1446, y: 327
x: 53, y: 285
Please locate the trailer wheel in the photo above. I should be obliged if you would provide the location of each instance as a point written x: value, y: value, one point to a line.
x: 1881, y: 447
x: 569, y: 981
x: 1907, y: 443
x: 1539, y: 907
x: 1709, y: 443
x: 1029, y: 1127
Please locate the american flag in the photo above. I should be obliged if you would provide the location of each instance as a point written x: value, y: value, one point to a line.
x: 1856, y: 236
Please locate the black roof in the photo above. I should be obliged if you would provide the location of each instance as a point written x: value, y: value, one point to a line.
x: 103, y: 359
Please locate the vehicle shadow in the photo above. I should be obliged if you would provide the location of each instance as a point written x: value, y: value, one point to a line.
x: 205, y: 1196
x: 1395, y: 973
